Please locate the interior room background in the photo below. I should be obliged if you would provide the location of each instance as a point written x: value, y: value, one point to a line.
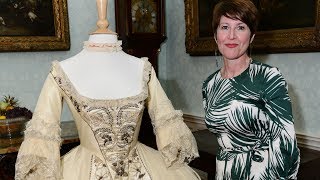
x: 22, y: 73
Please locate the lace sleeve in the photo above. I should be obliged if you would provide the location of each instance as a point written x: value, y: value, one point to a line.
x: 39, y: 153
x: 174, y: 139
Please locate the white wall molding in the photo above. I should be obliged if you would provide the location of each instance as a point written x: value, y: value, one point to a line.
x: 197, y: 123
x: 308, y: 141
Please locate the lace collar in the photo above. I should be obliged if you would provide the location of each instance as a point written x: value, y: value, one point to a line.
x: 105, y: 47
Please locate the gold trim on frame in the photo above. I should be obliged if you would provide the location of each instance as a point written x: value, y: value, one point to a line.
x: 61, y: 40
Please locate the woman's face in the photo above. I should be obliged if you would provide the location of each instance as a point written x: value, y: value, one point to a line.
x: 233, y: 38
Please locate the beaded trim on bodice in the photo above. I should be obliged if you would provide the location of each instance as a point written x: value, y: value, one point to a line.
x: 104, y: 47
x: 113, y: 121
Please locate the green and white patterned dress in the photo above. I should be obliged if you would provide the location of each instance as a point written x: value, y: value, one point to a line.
x: 252, y: 118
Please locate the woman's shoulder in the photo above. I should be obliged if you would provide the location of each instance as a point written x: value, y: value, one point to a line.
x: 264, y: 72
x: 261, y: 64
x: 211, y: 77
x: 258, y: 66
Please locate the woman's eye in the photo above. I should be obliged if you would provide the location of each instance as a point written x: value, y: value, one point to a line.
x: 241, y: 28
x: 224, y: 27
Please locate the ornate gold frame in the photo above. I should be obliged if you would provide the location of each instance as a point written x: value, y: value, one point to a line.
x: 275, y: 41
x: 61, y: 40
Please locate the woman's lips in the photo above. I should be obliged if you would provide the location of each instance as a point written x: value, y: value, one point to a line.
x: 231, y: 45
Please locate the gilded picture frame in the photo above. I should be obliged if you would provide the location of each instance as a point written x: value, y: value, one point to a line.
x: 298, y: 31
x: 34, y: 26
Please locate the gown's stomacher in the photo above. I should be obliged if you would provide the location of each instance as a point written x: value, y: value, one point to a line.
x: 108, y: 131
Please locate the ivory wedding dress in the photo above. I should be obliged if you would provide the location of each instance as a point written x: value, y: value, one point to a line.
x: 108, y: 131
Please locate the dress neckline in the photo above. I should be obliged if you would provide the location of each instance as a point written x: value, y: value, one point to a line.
x: 68, y: 87
x: 239, y: 75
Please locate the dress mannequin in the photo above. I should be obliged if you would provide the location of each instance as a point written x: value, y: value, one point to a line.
x: 106, y: 91
x: 102, y: 64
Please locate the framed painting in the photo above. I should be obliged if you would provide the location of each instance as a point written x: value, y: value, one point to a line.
x: 29, y: 25
x: 285, y: 26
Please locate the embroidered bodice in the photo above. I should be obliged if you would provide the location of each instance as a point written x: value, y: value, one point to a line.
x: 114, y: 123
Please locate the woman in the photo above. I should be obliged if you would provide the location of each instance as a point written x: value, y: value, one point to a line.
x: 247, y: 104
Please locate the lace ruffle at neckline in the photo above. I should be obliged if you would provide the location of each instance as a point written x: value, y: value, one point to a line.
x: 105, y: 47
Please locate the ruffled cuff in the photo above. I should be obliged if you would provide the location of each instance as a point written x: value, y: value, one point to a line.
x: 38, y: 159
x: 176, y: 142
x: 34, y: 167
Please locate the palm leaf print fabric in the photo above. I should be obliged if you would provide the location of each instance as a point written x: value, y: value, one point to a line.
x: 252, y: 118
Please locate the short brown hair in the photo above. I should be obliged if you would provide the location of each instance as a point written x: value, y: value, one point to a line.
x: 243, y: 10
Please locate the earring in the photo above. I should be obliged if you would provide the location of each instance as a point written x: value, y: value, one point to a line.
x: 250, y: 45
x: 216, y: 54
x: 250, y: 49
